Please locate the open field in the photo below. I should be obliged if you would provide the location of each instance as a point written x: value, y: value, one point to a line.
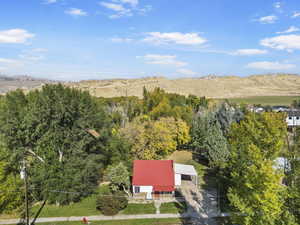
x: 266, y: 100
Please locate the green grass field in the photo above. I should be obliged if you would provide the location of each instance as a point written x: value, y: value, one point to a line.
x: 266, y: 100
x: 173, y: 207
x: 87, y: 207
x: 139, y: 209
x: 124, y: 222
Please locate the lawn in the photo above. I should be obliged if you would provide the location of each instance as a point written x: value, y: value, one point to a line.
x: 135, y: 208
x: 266, y: 100
x: 124, y: 222
x: 181, y: 156
x: 87, y: 207
x: 173, y: 207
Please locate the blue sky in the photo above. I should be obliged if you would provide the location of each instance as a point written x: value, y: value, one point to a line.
x: 104, y: 39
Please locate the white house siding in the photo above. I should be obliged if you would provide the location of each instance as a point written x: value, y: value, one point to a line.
x: 293, y: 121
x: 146, y: 189
x: 177, y: 179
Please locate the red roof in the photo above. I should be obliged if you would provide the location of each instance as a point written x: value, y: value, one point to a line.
x: 156, y: 173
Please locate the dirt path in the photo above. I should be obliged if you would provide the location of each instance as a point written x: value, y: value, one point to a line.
x: 202, y: 205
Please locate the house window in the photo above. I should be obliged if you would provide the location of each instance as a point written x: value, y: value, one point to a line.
x: 136, y: 189
x: 290, y: 118
x: 297, y: 118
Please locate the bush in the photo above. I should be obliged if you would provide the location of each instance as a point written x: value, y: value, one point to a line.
x: 111, y: 203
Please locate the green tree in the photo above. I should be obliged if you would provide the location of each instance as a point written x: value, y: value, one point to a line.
x: 208, y: 140
x: 293, y: 174
x: 11, y: 193
x: 118, y: 176
x: 255, y: 189
x: 60, y: 125
x: 111, y: 203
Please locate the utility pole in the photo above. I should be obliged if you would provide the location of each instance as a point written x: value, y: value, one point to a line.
x: 26, y: 193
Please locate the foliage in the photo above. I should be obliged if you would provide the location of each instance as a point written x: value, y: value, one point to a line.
x: 11, y: 193
x: 54, y: 123
x: 293, y: 175
x: 208, y: 140
x: 227, y: 114
x: 155, y: 139
x: 255, y: 189
x: 110, y: 204
x: 118, y: 176
x: 158, y: 104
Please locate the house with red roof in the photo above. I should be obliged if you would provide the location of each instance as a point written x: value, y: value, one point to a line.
x: 155, y: 178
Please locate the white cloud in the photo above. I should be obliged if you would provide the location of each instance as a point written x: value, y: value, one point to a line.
x: 163, y: 60
x: 15, y: 36
x: 175, y: 38
x: 121, y: 40
x: 118, y: 8
x: 249, y: 52
x: 282, y: 42
x: 277, y: 5
x: 266, y: 65
x: 39, y: 50
x: 268, y: 19
x: 186, y: 72
x: 125, y: 8
x: 31, y: 57
x: 113, y: 6
x: 291, y: 29
x: 8, y: 61
x: 76, y: 12
x: 133, y: 3
x: 296, y: 14
x: 50, y: 1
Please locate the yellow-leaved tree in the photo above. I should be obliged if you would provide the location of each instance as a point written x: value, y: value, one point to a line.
x: 155, y: 139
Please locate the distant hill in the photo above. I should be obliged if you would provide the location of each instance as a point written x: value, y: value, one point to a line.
x: 9, y: 83
x: 210, y: 86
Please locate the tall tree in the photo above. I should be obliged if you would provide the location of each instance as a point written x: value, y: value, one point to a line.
x: 59, y: 125
x: 293, y: 174
x: 208, y: 140
x: 11, y: 193
x: 255, y: 189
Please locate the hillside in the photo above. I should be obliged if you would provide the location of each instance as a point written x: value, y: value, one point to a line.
x: 10, y: 83
x: 211, y: 86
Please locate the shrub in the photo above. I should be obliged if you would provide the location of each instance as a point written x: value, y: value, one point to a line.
x: 111, y: 203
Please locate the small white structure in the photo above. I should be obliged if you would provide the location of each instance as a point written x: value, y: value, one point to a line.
x: 185, y: 172
x: 293, y: 118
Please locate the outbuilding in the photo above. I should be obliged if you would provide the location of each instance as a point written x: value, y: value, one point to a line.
x: 185, y: 172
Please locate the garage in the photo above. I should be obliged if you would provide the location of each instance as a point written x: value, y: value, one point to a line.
x: 185, y: 172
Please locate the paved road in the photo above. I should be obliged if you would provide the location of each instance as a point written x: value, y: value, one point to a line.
x: 99, y: 218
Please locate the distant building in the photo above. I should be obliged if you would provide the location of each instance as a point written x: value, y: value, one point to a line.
x: 293, y: 118
x: 280, y: 108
